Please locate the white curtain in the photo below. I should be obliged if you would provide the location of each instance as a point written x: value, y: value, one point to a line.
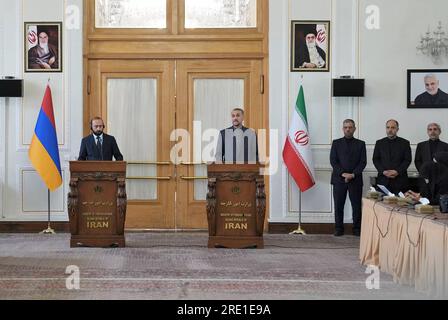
x: 132, y: 119
x: 214, y: 100
x: 130, y: 14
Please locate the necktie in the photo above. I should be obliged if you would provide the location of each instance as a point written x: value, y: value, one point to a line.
x: 99, y: 146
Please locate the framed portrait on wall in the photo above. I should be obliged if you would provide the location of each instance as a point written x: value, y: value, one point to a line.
x: 310, y: 46
x: 43, y: 47
x: 427, y: 88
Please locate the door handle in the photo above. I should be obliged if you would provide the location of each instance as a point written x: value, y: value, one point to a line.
x: 192, y: 163
x: 158, y: 163
x: 193, y: 178
x: 148, y: 178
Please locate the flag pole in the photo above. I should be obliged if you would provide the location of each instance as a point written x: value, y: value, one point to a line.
x: 299, y: 230
x: 49, y: 230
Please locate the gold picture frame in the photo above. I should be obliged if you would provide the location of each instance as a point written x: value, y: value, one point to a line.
x: 43, y: 46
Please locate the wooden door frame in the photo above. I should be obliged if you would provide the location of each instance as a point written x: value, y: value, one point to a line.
x: 175, y: 43
x: 187, y: 72
x: 101, y: 71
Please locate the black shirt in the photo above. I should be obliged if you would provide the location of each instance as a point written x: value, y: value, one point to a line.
x: 427, y: 99
x: 433, y: 144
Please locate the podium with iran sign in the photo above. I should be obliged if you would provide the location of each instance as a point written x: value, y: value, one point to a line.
x: 97, y: 203
x: 236, y: 206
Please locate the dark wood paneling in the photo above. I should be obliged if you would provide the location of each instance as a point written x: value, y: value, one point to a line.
x: 310, y: 228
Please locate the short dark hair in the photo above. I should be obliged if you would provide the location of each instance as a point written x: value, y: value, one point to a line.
x: 349, y: 121
x: 396, y: 122
x: 238, y: 109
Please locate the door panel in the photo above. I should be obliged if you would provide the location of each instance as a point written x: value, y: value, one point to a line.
x: 136, y: 100
x: 220, y: 95
x: 142, y: 102
x: 207, y: 91
x: 132, y: 119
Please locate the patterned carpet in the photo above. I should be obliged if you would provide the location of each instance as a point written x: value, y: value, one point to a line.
x: 180, y: 266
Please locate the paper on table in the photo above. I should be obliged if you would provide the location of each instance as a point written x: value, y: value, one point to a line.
x: 386, y: 191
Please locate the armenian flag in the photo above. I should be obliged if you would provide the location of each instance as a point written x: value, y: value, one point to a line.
x: 44, y: 151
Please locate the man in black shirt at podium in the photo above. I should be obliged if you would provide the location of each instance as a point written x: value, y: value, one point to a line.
x: 237, y: 144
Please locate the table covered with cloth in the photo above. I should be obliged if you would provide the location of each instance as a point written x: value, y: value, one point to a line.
x: 412, y: 247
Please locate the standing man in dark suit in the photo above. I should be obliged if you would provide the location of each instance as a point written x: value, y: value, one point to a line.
x: 426, y: 149
x: 434, y: 182
x: 348, y: 159
x: 237, y: 144
x: 392, y: 156
x: 99, y: 146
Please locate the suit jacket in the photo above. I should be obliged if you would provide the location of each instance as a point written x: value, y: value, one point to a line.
x: 423, y: 152
x: 393, y: 155
x: 433, y: 181
x: 220, y: 155
x: 347, y: 160
x: 90, y: 151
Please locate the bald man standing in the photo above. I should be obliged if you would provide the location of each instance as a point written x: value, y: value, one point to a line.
x: 392, y: 156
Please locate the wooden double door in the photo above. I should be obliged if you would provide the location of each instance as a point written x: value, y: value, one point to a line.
x: 165, y: 115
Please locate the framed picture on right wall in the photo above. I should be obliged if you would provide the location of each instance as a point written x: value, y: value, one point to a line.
x: 427, y: 88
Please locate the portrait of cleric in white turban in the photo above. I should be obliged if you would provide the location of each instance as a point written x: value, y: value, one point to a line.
x: 310, y: 45
x: 428, y: 88
x: 43, y: 47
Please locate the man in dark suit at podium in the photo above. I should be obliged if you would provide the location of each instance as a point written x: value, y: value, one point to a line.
x: 99, y: 146
x: 426, y: 149
x: 348, y: 159
x: 237, y: 144
x: 392, y: 156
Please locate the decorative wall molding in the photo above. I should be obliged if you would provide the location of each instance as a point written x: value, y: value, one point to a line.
x: 2, y: 121
x: 2, y: 153
x: 17, y: 204
x: 26, y: 174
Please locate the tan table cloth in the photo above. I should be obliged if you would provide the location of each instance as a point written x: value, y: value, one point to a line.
x: 410, y: 246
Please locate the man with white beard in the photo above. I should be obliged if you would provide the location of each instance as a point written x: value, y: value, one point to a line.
x: 433, y: 94
x: 44, y: 55
x: 310, y: 55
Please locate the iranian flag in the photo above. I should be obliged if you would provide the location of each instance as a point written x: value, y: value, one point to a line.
x: 297, y: 150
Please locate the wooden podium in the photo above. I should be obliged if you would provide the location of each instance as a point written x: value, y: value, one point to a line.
x: 97, y: 203
x: 236, y: 206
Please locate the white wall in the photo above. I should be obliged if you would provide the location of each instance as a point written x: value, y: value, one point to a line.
x: 380, y: 56
x: 23, y: 195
